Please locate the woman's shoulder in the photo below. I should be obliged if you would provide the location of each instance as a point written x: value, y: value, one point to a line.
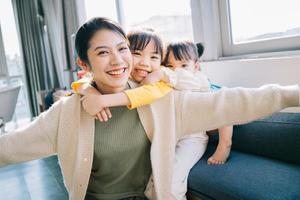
x: 71, y: 100
x: 132, y: 84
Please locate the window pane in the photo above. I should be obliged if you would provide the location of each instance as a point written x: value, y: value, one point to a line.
x: 253, y: 20
x: 101, y: 8
x: 171, y: 18
x: 13, y: 59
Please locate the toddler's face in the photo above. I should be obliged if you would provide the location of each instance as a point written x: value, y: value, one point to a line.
x: 189, y: 65
x: 145, y: 61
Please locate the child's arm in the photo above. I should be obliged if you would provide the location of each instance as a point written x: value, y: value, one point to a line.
x: 133, y: 98
x: 147, y: 94
x: 94, y: 103
x: 83, y: 87
x: 181, y: 79
x: 156, y: 76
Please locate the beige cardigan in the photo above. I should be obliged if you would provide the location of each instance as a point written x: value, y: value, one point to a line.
x: 68, y: 131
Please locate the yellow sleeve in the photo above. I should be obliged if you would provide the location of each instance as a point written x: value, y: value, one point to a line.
x: 80, y: 85
x: 147, y: 94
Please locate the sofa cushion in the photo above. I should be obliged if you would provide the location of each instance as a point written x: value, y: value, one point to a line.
x: 245, y: 176
x: 277, y: 136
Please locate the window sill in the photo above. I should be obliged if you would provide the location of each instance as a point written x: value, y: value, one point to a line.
x: 261, y: 56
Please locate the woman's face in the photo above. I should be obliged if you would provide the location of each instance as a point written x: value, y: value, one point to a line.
x: 145, y: 61
x: 110, y: 61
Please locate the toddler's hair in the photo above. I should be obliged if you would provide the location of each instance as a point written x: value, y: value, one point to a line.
x: 140, y: 38
x: 184, y: 50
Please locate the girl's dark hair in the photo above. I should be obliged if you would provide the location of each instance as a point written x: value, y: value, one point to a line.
x: 139, y: 39
x: 87, y: 31
x: 184, y: 50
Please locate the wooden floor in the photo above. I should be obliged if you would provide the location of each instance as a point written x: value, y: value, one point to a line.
x: 34, y: 180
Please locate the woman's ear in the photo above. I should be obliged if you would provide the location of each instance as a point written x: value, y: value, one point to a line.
x: 83, y: 65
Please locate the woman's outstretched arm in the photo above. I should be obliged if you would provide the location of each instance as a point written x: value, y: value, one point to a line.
x: 36, y: 140
x: 207, y: 111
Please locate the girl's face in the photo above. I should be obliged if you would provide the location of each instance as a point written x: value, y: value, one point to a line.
x: 145, y: 61
x: 110, y: 61
x: 189, y: 65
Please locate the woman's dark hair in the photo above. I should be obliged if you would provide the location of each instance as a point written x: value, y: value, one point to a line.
x: 184, y: 50
x: 139, y: 39
x: 87, y: 31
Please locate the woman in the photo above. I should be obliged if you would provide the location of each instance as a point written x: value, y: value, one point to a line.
x: 68, y: 131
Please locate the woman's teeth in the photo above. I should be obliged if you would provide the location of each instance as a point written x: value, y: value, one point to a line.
x: 116, y: 72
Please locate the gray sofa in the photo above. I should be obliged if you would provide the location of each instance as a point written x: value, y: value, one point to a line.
x: 264, y: 163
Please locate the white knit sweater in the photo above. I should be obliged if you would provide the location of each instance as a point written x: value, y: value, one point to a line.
x: 68, y: 131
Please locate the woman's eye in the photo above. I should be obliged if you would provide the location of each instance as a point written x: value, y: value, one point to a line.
x: 123, y: 48
x: 102, y: 53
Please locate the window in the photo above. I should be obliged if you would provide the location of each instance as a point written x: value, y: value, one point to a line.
x: 13, y: 60
x: 96, y: 8
x: 255, y: 26
x: 3, y: 65
x: 171, y: 18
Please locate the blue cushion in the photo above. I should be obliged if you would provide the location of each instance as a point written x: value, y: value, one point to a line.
x: 277, y: 137
x: 245, y: 176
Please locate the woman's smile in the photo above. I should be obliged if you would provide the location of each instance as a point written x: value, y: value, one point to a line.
x: 118, y: 73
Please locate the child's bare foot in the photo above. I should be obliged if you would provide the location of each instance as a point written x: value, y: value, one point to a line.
x: 221, y: 154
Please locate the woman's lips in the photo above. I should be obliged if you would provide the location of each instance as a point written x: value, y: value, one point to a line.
x: 117, y: 73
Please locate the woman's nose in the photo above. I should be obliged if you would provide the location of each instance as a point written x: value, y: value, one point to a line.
x: 116, y: 59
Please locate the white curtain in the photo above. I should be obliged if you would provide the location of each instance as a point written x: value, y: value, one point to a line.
x: 62, y: 20
x: 3, y: 64
x: 45, y: 28
x: 54, y: 32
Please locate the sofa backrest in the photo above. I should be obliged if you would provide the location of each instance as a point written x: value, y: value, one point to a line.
x: 277, y: 136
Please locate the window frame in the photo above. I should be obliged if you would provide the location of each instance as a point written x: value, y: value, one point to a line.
x: 290, y: 43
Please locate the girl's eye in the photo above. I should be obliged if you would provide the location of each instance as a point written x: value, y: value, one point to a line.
x: 155, y: 57
x: 184, y: 65
x: 137, y: 53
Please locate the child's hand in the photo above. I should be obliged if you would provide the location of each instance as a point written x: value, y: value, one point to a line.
x: 153, y: 77
x: 103, y: 115
x: 95, y: 105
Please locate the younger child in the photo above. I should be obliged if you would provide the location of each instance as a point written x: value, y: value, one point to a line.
x: 183, y: 55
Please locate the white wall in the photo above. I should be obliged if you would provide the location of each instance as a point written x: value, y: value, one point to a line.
x: 254, y: 72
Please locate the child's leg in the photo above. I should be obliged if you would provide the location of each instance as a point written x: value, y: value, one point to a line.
x: 223, y: 149
x: 188, y: 151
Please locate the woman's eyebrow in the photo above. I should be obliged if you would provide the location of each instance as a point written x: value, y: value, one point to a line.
x: 100, y: 47
x: 121, y: 43
x: 106, y: 47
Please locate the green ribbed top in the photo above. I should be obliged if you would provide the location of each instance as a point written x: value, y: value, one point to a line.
x: 121, y: 165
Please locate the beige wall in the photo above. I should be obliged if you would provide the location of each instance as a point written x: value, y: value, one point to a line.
x: 254, y: 72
